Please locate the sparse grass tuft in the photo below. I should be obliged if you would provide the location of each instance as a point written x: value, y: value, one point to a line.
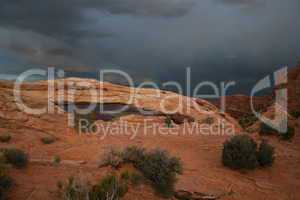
x: 136, y: 178
x: 134, y: 154
x: 56, y: 160
x: 125, y: 175
x: 74, y: 189
x: 109, y: 188
x: 113, y: 158
x: 168, y: 122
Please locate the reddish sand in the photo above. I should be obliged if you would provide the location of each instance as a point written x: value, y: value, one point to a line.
x: 201, y: 156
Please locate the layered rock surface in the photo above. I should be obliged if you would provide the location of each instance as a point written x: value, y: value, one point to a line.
x: 204, y: 175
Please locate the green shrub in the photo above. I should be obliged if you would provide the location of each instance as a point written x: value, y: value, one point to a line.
x: 289, y: 134
x: 168, y: 122
x: 16, y: 157
x: 136, y: 178
x: 48, y: 140
x: 125, y: 175
x: 5, y: 184
x: 5, y: 138
x: 240, y: 153
x: 265, y: 154
x: 113, y: 158
x: 56, y: 160
x: 157, y: 166
x: 161, y: 169
x: 5, y: 181
x: 247, y: 120
x: 109, y: 188
x: 133, y: 154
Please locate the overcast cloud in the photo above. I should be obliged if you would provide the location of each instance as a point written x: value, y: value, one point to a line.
x: 152, y: 39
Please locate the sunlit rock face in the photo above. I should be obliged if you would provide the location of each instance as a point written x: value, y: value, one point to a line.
x: 110, y: 103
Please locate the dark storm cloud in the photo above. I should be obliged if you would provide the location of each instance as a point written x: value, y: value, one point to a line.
x: 154, y: 39
x: 57, y: 28
x: 241, y: 1
x: 61, y: 18
x: 166, y: 8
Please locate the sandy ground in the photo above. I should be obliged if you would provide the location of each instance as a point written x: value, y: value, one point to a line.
x: 201, y: 156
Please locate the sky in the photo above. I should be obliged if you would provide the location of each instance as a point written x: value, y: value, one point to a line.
x: 220, y: 40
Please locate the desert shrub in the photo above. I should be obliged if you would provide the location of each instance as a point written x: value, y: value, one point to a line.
x: 136, y: 178
x: 110, y: 187
x: 265, y: 154
x: 5, y: 184
x: 161, y: 169
x: 5, y: 181
x: 16, y: 157
x: 133, y: 177
x: 247, y: 120
x: 289, y: 134
x: 168, y: 122
x: 5, y: 138
x: 240, y: 153
x: 133, y: 154
x: 125, y: 175
x: 74, y: 189
x: 56, y: 160
x: 157, y: 166
x: 48, y: 140
x: 113, y: 158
